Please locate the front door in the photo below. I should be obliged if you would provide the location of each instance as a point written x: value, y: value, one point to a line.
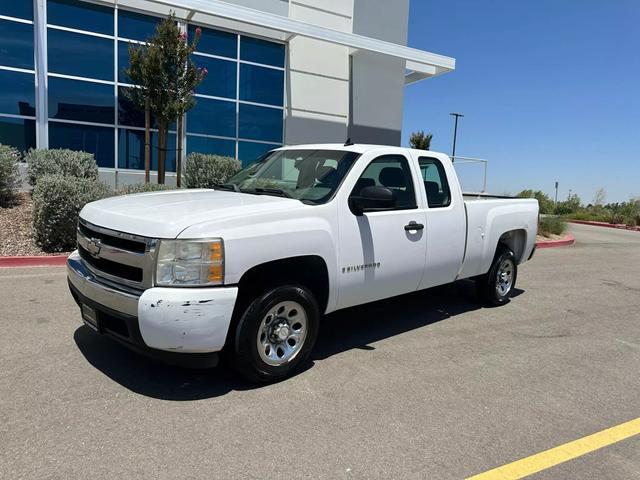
x: 380, y: 254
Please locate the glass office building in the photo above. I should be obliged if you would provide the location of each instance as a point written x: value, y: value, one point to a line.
x: 239, y: 109
x: 62, y: 83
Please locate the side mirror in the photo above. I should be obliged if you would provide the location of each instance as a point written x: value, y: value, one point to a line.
x: 372, y: 199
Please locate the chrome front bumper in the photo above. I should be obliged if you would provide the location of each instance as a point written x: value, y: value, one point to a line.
x: 88, y: 285
x: 184, y: 320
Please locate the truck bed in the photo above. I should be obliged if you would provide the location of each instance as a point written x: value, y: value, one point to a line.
x: 487, y: 216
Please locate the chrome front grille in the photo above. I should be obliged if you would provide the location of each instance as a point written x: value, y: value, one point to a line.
x: 118, y: 259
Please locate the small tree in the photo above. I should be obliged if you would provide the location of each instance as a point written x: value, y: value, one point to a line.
x: 165, y: 78
x: 599, y: 197
x: 420, y: 140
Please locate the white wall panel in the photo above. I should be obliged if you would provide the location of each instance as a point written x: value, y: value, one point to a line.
x: 319, y: 17
x: 340, y: 7
x: 315, y: 56
x: 318, y: 94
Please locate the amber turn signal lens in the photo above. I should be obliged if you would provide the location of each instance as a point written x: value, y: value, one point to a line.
x: 215, y: 273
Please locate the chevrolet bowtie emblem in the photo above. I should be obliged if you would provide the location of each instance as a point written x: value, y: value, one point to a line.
x: 93, y: 246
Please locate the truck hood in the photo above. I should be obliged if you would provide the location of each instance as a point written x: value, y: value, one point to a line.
x: 166, y: 214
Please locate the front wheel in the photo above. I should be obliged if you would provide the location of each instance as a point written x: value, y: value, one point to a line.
x: 496, y: 286
x: 276, y: 333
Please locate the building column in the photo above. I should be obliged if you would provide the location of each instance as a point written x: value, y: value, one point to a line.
x: 40, y: 48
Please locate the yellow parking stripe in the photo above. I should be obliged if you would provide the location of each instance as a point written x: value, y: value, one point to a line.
x: 563, y: 453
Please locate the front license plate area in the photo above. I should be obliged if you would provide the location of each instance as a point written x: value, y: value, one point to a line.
x: 89, y: 317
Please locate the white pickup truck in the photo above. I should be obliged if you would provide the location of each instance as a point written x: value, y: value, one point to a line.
x: 252, y: 265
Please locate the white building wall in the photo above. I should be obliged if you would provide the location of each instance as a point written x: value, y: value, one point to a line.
x: 318, y: 80
x: 377, y: 89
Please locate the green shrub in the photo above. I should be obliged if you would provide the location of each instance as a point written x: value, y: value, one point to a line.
x: 551, y: 225
x: 142, y: 188
x: 68, y: 163
x: 9, y: 175
x: 57, y: 201
x: 204, y: 171
x: 544, y: 201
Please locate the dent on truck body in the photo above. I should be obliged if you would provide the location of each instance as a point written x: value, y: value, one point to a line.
x: 186, y: 319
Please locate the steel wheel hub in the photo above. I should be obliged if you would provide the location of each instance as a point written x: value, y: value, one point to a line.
x: 505, y: 277
x: 282, y: 333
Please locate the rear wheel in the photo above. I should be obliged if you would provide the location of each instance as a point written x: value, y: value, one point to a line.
x: 276, y: 333
x: 496, y: 286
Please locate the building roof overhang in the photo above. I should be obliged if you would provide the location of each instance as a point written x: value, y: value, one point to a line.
x: 420, y: 64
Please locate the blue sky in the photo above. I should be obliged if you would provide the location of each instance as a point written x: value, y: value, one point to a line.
x: 550, y: 90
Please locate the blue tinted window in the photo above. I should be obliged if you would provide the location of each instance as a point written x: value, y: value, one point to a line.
x: 16, y: 44
x: 212, y: 117
x: 136, y: 26
x: 17, y: 93
x: 221, y: 79
x: 18, y: 133
x: 17, y: 8
x: 261, y: 85
x: 260, y: 123
x: 248, y: 152
x: 96, y: 140
x: 131, y: 150
x: 215, y: 42
x: 213, y: 146
x: 80, y: 15
x: 123, y: 62
x: 261, y: 51
x: 80, y: 55
x: 84, y: 101
x: 130, y: 115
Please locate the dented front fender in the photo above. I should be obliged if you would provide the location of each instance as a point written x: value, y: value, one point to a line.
x: 190, y: 320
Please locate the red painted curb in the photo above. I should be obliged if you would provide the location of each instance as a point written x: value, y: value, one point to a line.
x: 562, y: 242
x: 603, y: 224
x: 33, y: 261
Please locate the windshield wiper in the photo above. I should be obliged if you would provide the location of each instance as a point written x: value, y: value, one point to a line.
x: 268, y: 191
x: 226, y: 186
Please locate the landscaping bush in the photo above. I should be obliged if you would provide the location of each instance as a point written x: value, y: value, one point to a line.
x: 142, y: 188
x: 551, y: 226
x: 205, y: 171
x: 544, y: 201
x: 68, y: 163
x: 9, y: 175
x: 57, y: 201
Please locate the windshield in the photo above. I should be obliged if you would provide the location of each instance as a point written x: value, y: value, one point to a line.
x: 311, y: 176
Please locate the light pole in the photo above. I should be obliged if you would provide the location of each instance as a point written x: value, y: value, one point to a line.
x: 455, y: 134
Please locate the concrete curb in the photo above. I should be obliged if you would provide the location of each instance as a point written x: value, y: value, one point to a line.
x: 33, y: 261
x: 603, y: 224
x: 561, y: 242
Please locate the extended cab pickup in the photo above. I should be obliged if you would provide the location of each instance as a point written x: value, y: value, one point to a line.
x: 252, y: 265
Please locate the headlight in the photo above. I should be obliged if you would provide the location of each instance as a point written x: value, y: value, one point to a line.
x: 190, y: 263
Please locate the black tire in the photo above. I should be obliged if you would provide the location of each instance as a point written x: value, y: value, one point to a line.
x: 246, y: 357
x: 487, y: 285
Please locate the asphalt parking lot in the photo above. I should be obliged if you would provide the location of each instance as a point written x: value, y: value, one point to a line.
x: 427, y: 385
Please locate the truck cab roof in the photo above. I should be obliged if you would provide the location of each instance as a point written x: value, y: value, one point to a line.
x: 358, y: 148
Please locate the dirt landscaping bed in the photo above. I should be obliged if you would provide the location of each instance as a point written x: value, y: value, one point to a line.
x: 16, y: 231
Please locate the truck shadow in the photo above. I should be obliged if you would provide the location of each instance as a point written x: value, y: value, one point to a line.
x: 356, y: 327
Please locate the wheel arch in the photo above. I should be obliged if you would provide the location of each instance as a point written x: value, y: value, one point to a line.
x: 310, y: 271
x: 516, y: 241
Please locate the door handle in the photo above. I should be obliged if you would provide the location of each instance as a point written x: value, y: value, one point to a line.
x: 413, y: 226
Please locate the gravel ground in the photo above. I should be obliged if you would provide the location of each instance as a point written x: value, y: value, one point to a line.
x: 16, y: 234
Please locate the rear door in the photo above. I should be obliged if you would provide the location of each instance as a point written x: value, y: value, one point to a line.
x: 445, y: 222
x: 381, y: 254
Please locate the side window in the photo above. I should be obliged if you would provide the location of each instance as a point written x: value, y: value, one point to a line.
x: 391, y: 171
x: 435, y: 182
